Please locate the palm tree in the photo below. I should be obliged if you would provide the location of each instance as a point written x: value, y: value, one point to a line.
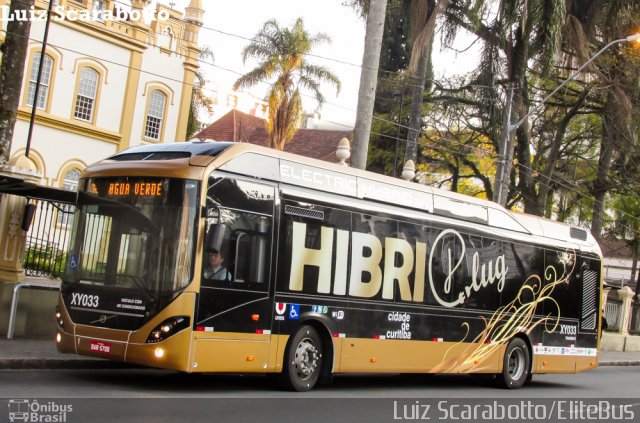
x: 424, y: 15
x: 199, y: 100
x: 368, y: 81
x: 281, y: 55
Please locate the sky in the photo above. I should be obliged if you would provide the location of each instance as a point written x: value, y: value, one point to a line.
x: 228, y: 24
x: 244, y: 18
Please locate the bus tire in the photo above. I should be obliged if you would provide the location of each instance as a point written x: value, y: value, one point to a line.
x: 515, y: 365
x: 303, y: 360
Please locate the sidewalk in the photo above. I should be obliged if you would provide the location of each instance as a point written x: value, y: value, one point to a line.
x: 42, y: 354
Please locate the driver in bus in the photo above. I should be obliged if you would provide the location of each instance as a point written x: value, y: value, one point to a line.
x: 216, y: 269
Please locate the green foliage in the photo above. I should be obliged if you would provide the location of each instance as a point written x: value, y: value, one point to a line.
x: 199, y: 100
x: 559, y: 166
x: 46, y: 259
x: 281, y: 55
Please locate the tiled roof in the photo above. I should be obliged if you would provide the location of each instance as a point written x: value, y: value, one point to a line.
x: 241, y: 127
x: 234, y: 126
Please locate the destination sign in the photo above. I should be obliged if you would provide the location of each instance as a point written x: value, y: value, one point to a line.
x: 135, y: 189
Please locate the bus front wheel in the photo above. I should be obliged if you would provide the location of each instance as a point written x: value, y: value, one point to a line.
x: 515, y: 365
x: 303, y: 360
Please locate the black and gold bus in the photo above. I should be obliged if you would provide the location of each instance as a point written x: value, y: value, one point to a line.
x: 327, y: 270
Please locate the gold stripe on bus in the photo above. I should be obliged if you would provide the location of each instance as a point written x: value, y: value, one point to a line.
x: 563, y: 364
x: 410, y: 356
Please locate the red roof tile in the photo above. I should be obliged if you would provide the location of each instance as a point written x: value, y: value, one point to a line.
x: 241, y: 127
x: 234, y: 126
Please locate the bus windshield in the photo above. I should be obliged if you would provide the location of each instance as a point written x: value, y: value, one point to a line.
x: 135, y: 236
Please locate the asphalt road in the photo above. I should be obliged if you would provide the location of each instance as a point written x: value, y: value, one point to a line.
x: 161, y: 396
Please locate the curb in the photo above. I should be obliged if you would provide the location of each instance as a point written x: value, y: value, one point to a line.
x: 620, y: 363
x: 60, y: 363
x: 97, y: 364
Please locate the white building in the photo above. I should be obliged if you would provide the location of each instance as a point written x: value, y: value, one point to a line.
x: 107, y: 83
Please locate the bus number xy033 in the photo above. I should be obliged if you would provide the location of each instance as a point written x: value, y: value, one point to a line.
x: 85, y: 300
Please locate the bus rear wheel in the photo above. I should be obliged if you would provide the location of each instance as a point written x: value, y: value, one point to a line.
x: 303, y: 360
x: 515, y: 365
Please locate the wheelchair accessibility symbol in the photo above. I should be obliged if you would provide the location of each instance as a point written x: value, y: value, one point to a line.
x: 294, y: 311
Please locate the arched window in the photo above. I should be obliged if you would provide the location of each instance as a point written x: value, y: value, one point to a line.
x: 70, y: 183
x: 45, y: 80
x: 155, y: 115
x: 86, y: 98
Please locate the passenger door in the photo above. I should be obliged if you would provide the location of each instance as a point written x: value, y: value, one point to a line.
x: 233, y: 321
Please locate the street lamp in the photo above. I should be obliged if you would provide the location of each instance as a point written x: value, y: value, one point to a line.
x: 506, y: 153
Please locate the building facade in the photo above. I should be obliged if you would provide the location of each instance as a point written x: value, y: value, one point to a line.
x: 122, y: 78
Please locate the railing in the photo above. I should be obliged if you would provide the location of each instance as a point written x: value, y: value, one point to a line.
x: 634, y: 327
x: 613, y: 313
x: 47, y: 239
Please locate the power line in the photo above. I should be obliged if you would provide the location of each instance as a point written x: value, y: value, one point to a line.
x: 471, y: 147
x: 251, y: 39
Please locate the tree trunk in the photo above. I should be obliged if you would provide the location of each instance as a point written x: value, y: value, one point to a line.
x: 554, y: 153
x: 422, y: 51
x: 602, y: 183
x: 523, y: 135
x: 14, y: 51
x: 415, y: 119
x: 368, y: 82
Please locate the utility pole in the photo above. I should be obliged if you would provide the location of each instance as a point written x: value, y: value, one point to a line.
x: 503, y: 168
x: 36, y: 93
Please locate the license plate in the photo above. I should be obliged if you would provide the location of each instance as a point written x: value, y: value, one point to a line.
x: 100, y: 347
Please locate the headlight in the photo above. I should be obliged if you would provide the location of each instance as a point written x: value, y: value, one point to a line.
x: 59, y: 319
x: 169, y: 327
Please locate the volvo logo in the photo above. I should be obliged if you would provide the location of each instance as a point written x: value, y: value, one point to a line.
x: 103, y: 319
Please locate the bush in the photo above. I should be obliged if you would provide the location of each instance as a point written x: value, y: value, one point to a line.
x: 46, y: 259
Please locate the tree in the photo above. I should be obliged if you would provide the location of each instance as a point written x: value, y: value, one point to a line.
x: 199, y: 100
x: 368, y: 81
x: 424, y: 14
x: 14, y: 52
x: 389, y: 107
x: 281, y: 55
x: 619, y: 75
x: 627, y: 226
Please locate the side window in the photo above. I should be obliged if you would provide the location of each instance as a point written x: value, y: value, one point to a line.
x: 525, y: 265
x: 239, y: 233
x: 315, y: 248
x: 370, y: 257
x: 485, y: 272
x: 447, y: 268
x: 560, y: 295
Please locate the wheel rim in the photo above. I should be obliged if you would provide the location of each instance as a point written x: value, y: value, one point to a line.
x: 516, y: 363
x: 306, y: 359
